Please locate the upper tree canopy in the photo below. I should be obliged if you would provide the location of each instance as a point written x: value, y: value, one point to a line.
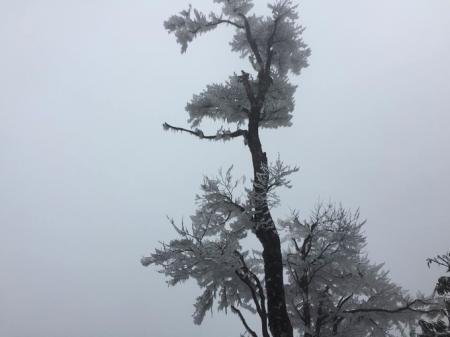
x: 274, y: 47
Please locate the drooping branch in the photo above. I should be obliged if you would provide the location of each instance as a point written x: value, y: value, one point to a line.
x: 244, y: 322
x: 220, y: 135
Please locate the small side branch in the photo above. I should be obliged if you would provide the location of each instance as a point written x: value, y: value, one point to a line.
x: 228, y: 22
x: 221, y: 134
x: 440, y: 260
x: 244, y: 322
x: 408, y: 307
x: 343, y: 300
x: 214, y: 24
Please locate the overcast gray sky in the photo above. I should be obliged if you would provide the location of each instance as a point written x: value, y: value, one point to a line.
x: 87, y: 174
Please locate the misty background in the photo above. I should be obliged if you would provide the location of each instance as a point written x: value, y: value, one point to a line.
x: 87, y: 174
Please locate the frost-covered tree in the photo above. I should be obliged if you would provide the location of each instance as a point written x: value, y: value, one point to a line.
x: 318, y: 281
x: 275, y: 48
x: 333, y: 289
x: 439, y: 327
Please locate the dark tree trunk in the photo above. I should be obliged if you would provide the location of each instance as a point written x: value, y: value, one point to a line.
x: 279, y: 322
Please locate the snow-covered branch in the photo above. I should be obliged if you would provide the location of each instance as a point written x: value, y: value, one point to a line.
x: 221, y: 134
x: 278, y: 173
x: 231, y: 102
x: 186, y: 26
x: 274, y: 47
x: 210, y: 251
x: 271, y: 177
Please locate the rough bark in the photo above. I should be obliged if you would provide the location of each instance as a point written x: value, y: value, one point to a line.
x: 265, y: 230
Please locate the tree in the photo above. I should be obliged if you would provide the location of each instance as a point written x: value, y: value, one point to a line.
x: 441, y: 326
x: 333, y: 289
x: 316, y: 299
x: 274, y: 48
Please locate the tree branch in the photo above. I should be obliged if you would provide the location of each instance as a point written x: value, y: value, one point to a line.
x: 261, y: 305
x: 343, y: 300
x: 247, y: 281
x: 441, y: 260
x: 270, y: 44
x: 247, y: 327
x: 221, y: 135
x: 230, y: 23
x: 252, y: 41
x: 214, y: 24
x: 408, y: 306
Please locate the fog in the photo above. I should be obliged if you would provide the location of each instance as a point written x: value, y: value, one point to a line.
x: 88, y: 175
